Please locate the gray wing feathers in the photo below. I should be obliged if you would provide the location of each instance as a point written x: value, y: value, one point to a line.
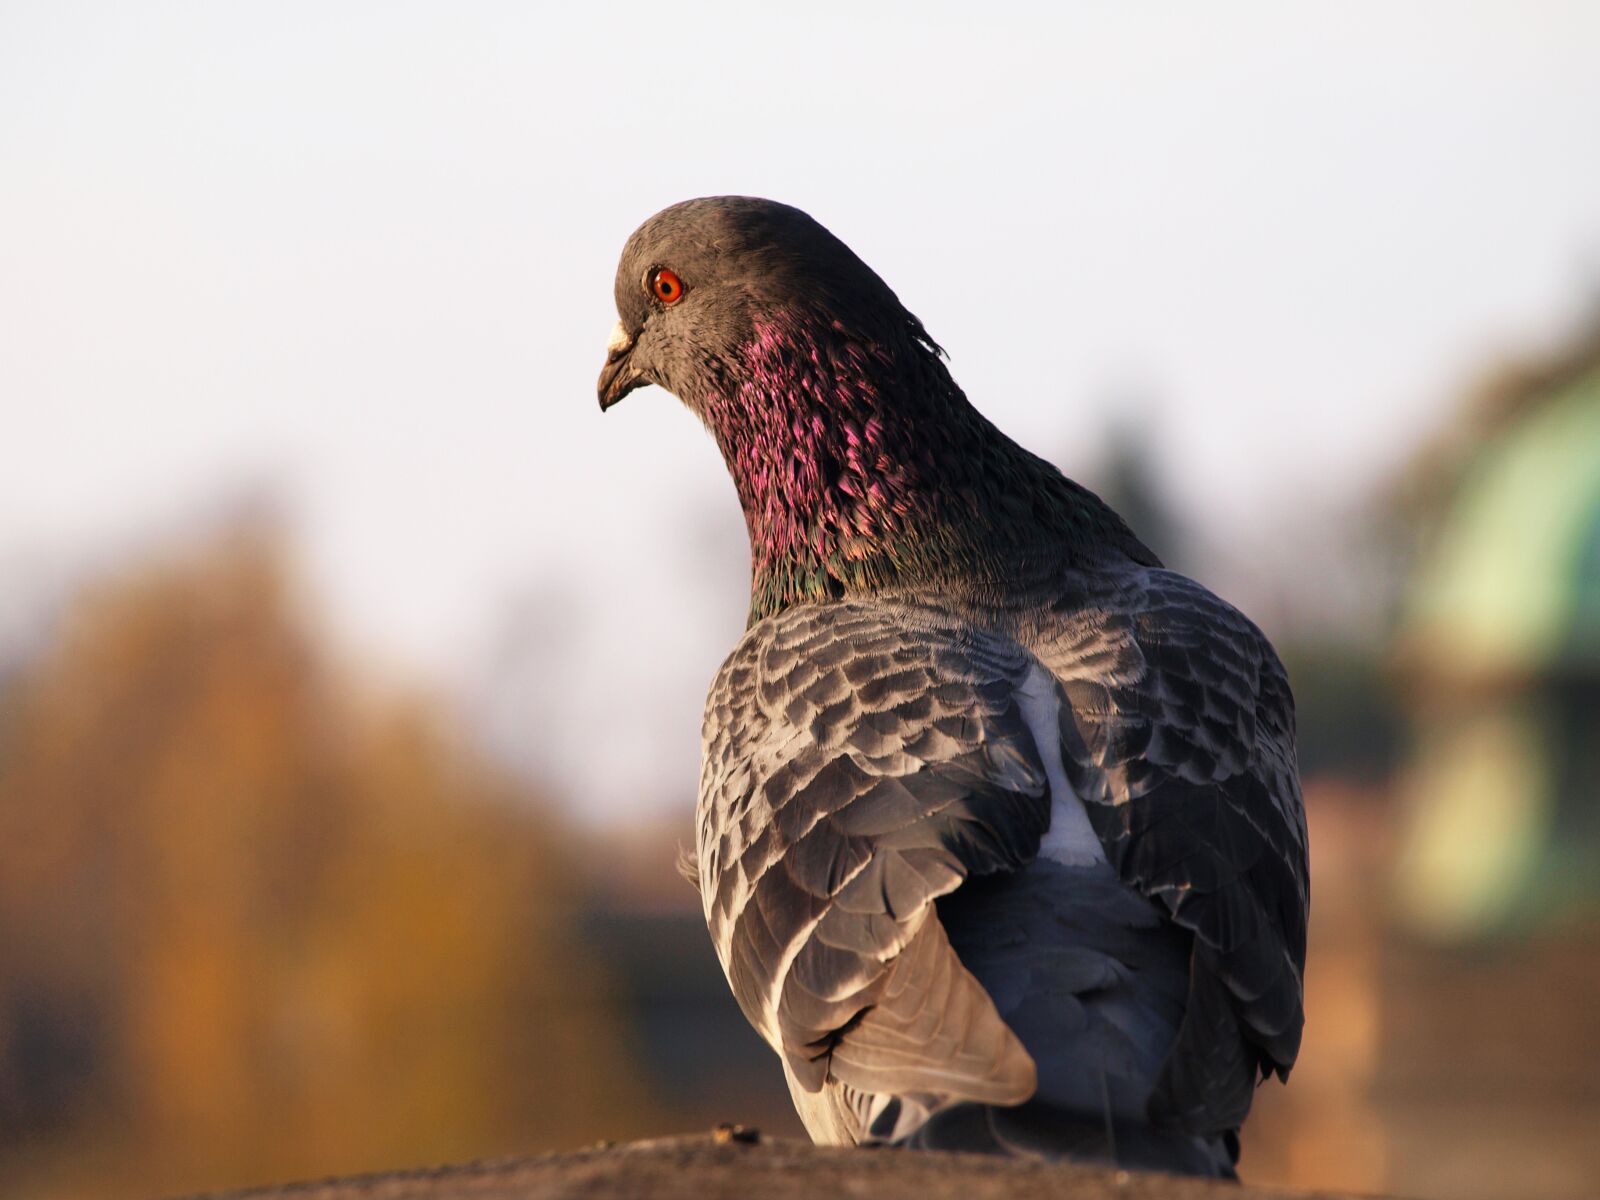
x: 934, y: 1030
x: 1179, y: 738
x: 864, y: 760
x: 857, y: 768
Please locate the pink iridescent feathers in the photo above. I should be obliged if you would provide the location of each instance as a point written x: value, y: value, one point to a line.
x: 817, y: 437
x: 860, y: 465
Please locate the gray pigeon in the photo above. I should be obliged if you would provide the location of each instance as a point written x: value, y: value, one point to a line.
x: 999, y: 839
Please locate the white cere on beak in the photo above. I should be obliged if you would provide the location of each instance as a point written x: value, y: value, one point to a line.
x: 619, y: 339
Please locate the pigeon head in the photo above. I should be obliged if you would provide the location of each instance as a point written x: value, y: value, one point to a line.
x: 702, y: 283
x: 858, y: 461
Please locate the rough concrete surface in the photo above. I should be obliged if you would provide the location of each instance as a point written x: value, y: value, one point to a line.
x: 725, y: 1164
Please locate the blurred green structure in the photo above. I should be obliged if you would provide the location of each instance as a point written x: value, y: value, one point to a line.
x: 1498, y: 657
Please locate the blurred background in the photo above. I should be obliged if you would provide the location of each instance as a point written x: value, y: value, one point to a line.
x: 351, y: 664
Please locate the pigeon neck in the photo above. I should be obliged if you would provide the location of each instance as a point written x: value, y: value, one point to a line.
x: 861, y: 467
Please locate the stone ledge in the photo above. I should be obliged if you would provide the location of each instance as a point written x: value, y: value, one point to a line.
x: 720, y: 1165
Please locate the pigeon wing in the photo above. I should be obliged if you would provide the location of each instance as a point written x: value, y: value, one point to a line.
x: 1179, y: 737
x: 859, y: 764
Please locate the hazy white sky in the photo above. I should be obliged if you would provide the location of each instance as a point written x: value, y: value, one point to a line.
x: 361, y: 255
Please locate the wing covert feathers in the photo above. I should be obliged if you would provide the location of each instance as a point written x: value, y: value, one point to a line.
x: 855, y: 770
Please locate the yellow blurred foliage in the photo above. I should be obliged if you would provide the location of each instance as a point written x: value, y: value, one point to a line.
x: 254, y: 926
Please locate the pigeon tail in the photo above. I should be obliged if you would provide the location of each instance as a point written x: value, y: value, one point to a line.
x: 1095, y: 984
x: 1043, y: 1132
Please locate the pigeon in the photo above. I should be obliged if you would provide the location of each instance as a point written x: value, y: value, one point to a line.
x: 999, y: 837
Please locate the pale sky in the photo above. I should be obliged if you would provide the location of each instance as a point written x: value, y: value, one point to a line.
x: 360, y: 256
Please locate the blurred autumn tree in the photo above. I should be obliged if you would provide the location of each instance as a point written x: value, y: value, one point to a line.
x: 254, y: 926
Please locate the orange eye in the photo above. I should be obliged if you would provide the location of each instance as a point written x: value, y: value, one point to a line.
x: 665, y: 285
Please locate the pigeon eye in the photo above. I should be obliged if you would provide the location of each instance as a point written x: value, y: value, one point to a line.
x: 665, y: 285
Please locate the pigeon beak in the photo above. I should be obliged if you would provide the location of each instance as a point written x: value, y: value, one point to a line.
x: 618, y: 377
